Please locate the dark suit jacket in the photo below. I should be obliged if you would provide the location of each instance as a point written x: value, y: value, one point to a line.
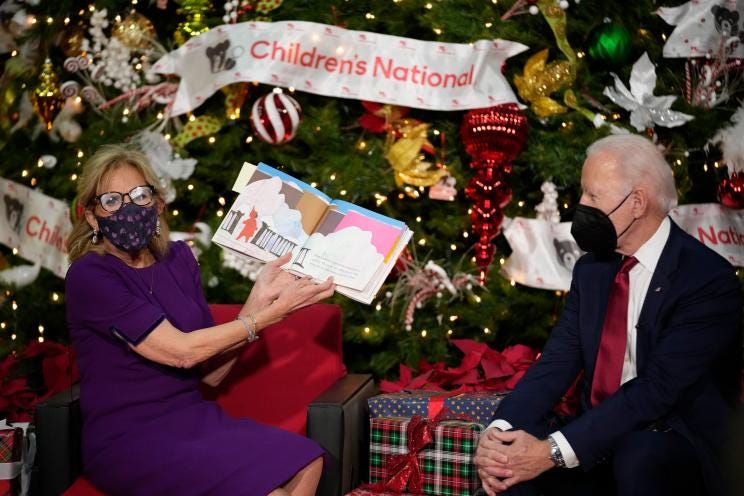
x: 688, y: 354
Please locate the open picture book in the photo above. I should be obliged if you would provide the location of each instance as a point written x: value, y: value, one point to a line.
x: 276, y: 213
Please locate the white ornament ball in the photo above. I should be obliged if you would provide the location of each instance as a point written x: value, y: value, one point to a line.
x: 48, y: 161
x: 534, y: 10
x: 388, y: 294
x: 408, y: 328
x: 563, y: 4
x: 226, y: 18
x: 213, y: 282
x: 275, y: 118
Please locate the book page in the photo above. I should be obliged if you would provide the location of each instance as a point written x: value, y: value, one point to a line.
x: 369, y: 292
x: 274, y: 214
x: 348, y: 245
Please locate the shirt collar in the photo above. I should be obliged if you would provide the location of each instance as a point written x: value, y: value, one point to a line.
x: 649, y: 253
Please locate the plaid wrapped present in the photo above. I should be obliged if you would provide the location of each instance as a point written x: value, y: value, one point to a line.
x: 360, y: 491
x: 480, y: 406
x: 11, y: 451
x: 438, y: 462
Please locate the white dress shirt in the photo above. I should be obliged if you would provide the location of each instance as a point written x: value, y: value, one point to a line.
x: 640, y: 278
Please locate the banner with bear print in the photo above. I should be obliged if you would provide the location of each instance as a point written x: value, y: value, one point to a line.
x: 332, y: 61
x: 544, y: 252
x: 35, y: 224
x: 705, y: 28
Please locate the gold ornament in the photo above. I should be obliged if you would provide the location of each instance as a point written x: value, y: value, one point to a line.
x: 71, y: 43
x: 46, y: 97
x: 235, y: 95
x: 134, y: 31
x: 195, y: 11
x: 405, y: 154
x: 539, y: 80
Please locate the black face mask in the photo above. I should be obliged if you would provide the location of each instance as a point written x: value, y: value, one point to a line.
x: 593, y: 230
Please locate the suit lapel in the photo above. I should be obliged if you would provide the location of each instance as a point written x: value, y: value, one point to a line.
x: 658, y: 289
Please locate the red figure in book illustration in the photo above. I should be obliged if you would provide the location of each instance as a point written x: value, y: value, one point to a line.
x: 249, y: 226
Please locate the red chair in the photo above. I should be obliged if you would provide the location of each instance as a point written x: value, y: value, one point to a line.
x: 292, y: 363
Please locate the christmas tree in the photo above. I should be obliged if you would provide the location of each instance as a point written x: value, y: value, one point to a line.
x: 77, y: 75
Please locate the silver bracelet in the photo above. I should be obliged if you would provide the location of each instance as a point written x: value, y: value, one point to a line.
x: 252, y: 335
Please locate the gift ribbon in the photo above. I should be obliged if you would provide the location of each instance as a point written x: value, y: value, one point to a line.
x: 404, y: 468
x: 436, y: 403
x: 10, y: 470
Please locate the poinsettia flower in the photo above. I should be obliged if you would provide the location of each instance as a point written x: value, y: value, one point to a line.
x: 379, y: 115
x: 646, y: 110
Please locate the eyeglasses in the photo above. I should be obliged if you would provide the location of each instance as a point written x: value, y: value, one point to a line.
x: 112, y: 201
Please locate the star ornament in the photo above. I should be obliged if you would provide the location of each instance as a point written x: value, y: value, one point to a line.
x: 646, y: 110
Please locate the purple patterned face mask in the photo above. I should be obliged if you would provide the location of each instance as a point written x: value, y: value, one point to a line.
x: 130, y: 228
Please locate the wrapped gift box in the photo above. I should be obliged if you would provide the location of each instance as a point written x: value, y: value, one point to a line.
x: 480, y: 406
x: 11, y: 451
x: 368, y: 492
x: 445, y: 463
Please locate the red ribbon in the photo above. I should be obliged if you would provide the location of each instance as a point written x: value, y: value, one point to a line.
x: 405, y: 469
x: 436, y: 403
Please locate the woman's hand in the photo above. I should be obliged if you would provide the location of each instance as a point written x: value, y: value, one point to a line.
x: 297, y: 294
x: 278, y: 293
x: 269, y: 283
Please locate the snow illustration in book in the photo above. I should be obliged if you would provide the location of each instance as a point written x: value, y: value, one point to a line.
x: 348, y: 255
x: 265, y: 219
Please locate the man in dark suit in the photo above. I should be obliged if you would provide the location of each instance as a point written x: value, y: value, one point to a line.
x: 652, y: 320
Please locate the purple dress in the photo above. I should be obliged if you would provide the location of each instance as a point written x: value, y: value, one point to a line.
x: 146, y: 428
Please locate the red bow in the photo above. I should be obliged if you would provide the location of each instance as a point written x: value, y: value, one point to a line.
x: 405, y: 469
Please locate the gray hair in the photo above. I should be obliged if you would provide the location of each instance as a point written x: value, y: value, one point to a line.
x: 639, y: 160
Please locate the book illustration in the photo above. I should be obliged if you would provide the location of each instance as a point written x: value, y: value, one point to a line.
x: 250, y: 225
x: 348, y: 245
x: 275, y: 214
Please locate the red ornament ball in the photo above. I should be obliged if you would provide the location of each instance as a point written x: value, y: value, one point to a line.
x: 495, y: 133
x: 731, y: 191
x: 275, y: 118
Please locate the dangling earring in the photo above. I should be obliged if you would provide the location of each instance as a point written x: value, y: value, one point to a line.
x: 157, y: 228
x: 94, y: 238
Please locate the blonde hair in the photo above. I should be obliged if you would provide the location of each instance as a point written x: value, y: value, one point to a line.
x: 96, y: 172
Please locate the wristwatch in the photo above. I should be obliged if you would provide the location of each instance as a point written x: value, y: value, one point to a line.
x: 555, y: 453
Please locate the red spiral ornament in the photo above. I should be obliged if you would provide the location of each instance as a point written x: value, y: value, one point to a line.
x: 275, y: 118
x: 493, y: 137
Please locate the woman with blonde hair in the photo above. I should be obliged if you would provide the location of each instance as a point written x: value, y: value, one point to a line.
x: 144, y: 337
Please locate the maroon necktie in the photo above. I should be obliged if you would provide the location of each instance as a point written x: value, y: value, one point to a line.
x: 609, y: 367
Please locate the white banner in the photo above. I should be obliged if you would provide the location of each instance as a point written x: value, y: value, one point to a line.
x: 717, y: 227
x: 544, y: 253
x: 703, y: 27
x: 36, y: 224
x: 332, y: 61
